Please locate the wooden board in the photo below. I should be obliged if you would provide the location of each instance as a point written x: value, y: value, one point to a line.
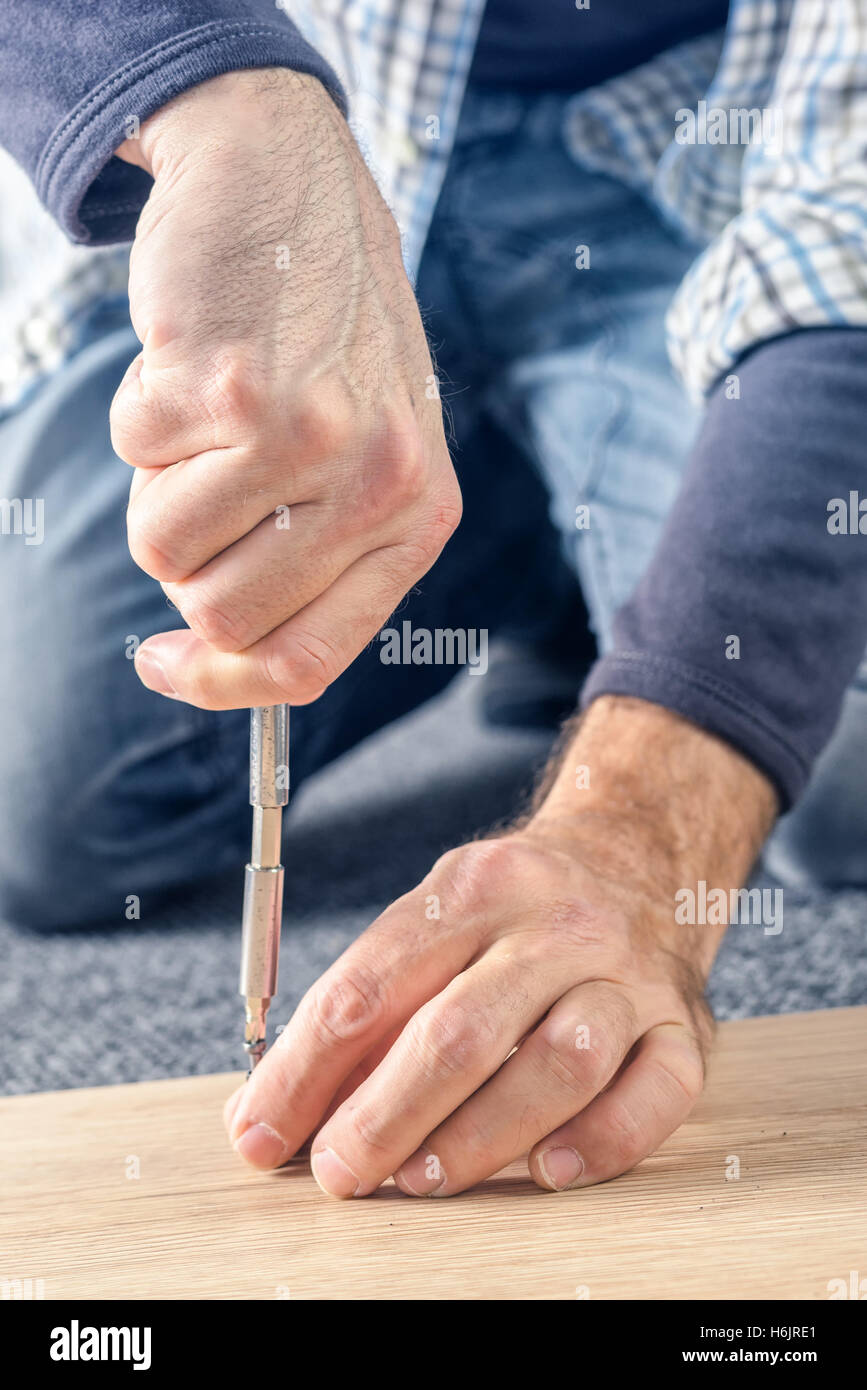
x: 787, y: 1098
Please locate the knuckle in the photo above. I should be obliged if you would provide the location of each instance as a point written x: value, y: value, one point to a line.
x: 682, y: 1080
x: 348, y: 1006
x: 156, y: 549
x: 303, y: 667
x: 126, y: 427
x: 403, y: 564
x: 419, y: 551
x: 131, y: 423
x: 625, y: 1135
x: 402, y: 472
x: 321, y: 424
x: 394, y: 475
x: 369, y: 1135
x: 147, y: 418
x: 234, y: 394
x: 446, y: 512
x: 278, y: 676
x: 469, y: 872
x: 578, y: 1068
x: 446, y: 1039
x: 216, y: 623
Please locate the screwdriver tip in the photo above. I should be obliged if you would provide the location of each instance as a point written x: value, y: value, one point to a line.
x: 255, y: 1031
x: 255, y: 1051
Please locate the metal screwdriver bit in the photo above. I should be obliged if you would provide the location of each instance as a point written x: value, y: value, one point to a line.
x: 263, y: 876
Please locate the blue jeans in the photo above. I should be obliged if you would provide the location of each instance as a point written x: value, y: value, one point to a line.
x: 561, y: 395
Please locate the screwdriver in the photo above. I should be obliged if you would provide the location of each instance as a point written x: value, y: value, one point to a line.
x: 263, y: 876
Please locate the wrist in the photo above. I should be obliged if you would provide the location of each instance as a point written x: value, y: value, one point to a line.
x: 656, y: 796
x: 248, y: 108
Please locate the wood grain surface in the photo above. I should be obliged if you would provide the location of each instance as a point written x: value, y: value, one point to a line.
x: 787, y: 1098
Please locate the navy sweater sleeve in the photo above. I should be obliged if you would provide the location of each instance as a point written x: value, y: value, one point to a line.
x: 751, y: 619
x: 74, y: 72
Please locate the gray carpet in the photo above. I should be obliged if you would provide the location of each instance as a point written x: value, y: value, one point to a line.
x: 95, y: 1007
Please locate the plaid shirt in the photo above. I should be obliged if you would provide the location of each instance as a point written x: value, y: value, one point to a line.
x: 779, y: 222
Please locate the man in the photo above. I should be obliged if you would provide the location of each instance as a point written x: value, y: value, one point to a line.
x: 292, y: 484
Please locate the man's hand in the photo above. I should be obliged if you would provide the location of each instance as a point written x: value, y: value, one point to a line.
x: 534, y: 992
x: 293, y: 480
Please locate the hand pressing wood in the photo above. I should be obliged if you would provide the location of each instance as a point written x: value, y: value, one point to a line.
x: 133, y: 1192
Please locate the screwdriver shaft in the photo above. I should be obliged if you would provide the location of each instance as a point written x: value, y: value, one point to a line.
x: 263, y: 876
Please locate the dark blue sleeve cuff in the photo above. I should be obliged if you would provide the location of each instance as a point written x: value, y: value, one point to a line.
x: 751, y: 619
x: 74, y: 73
x: 97, y: 198
x: 709, y: 702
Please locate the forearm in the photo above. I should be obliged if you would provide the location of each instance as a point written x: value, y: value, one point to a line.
x: 62, y: 117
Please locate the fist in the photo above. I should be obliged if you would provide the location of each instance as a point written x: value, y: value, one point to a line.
x: 292, y: 477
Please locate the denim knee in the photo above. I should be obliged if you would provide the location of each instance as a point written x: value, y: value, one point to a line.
x: 97, y: 831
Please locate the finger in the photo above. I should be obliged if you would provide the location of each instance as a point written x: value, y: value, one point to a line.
x: 266, y: 577
x: 368, y: 1064
x: 363, y: 1070
x: 179, y: 400
x: 399, y: 963
x: 298, y: 660
x: 142, y: 478
x: 448, y: 1049
x: 212, y: 478
x: 183, y: 514
x: 231, y: 1106
x: 561, y: 1066
x: 151, y: 420
x: 628, y: 1122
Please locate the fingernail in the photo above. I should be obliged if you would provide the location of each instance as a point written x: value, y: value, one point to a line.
x: 560, y: 1167
x: 151, y: 673
x: 262, y: 1146
x: 332, y: 1174
x: 421, y: 1175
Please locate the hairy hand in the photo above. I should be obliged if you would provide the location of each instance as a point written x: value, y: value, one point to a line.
x: 534, y: 993
x: 292, y: 477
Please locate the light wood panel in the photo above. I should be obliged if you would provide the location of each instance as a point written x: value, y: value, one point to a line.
x: 787, y: 1097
